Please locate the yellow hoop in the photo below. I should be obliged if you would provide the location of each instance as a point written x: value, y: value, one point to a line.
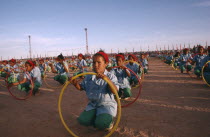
x: 139, y: 65
x: 112, y: 88
x: 202, y: 73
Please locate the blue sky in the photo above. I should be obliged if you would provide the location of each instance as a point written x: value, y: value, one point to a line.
x: 58, y: 26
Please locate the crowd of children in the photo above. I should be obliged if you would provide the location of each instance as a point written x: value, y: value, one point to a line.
x: 102, y: 107
x: 189, y: 59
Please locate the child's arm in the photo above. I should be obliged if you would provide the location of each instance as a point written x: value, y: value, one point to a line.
x: 127, y: 72
x: 76, y: 84
x: 65, y: 68
x: 21, y: 82
x: 53, y: 69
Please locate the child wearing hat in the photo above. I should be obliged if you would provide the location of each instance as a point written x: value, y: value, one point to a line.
x: 32, y: 72
x: 61, y: 68
x: 102, y: 107
x: 122, y: 75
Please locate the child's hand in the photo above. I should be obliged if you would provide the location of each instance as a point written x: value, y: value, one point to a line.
x: 100, y: 75
x: 74, y: 81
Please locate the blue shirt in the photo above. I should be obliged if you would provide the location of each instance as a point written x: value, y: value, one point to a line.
x: 206, y: 59
x: 100, y: 96
x: 122, y: 77
x: 184, y: 58
x: 82, y: 64
x: 144, y: 63
x: 12, y: 72
x: 60, y: 68
x: 134, y: 67
x: 42, y: 66
x: 198, y: 60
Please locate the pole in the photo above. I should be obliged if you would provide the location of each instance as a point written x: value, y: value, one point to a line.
x: 86, y: 40
x: 29, y: 37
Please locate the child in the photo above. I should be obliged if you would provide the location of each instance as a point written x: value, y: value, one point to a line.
x: 4, y: 69
x: 82, y: 64
x: 122, y: 76
x: 198, y: 60
x: 169, y: 58
x: 135, y: 68
x: 185, y: 60
x: 144, y: 63
x: 35, y: 74
x: 61, y: 68
x: 13, y: 71
x: 176, y: 59
x: 102, y: 107
x: 42, y: 67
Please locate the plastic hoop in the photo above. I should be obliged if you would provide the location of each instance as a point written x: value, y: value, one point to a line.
x: 203, y: 75
x: 60, y: 99
x: 30, y: 92
x: 140, y: 87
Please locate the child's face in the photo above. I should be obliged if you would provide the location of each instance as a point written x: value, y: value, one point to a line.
x: 79, y: 57
x: 130, y: 60
x: 200, y: 50
x: 99, y: 65
x: 11, y: 63
x: 120, y: 61
x: 28, y: 67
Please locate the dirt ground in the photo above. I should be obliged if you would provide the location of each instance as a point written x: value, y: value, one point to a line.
x: 171, y: 105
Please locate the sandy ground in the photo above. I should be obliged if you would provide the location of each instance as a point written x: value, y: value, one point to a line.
x: 171, y: 105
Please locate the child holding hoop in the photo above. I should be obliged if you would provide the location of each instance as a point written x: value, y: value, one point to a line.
x: 135, y: 68
x: 34, y: 74
x: 122, y: 76
x: 61, y: 67
x: 102, y: 107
